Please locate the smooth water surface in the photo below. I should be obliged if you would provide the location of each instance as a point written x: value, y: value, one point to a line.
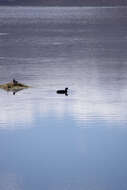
x: 51, y: 141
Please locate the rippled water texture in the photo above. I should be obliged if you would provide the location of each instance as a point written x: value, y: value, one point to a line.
x: 51, y: 141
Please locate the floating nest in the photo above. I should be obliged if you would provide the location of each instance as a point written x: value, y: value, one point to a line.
x: 13, y: 87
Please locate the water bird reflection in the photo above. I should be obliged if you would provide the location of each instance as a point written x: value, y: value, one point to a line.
x: 16, y: 90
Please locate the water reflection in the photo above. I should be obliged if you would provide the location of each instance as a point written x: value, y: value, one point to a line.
x: 9, y: 181
x: 15, y: 91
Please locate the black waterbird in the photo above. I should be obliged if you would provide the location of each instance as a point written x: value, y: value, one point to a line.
x: 15, y: 82
x: 63, y: 91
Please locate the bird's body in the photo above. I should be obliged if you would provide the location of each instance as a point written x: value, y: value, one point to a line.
x: 62, y: 91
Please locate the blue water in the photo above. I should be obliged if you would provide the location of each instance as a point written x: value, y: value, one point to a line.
x: 51, y: 141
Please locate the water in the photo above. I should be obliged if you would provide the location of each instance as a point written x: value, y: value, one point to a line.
x: 50, y: 141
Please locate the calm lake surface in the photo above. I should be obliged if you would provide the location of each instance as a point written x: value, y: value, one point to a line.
x: 56, y: 142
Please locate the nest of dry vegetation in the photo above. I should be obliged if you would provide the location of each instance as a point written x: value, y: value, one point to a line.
x: 11, y: 86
